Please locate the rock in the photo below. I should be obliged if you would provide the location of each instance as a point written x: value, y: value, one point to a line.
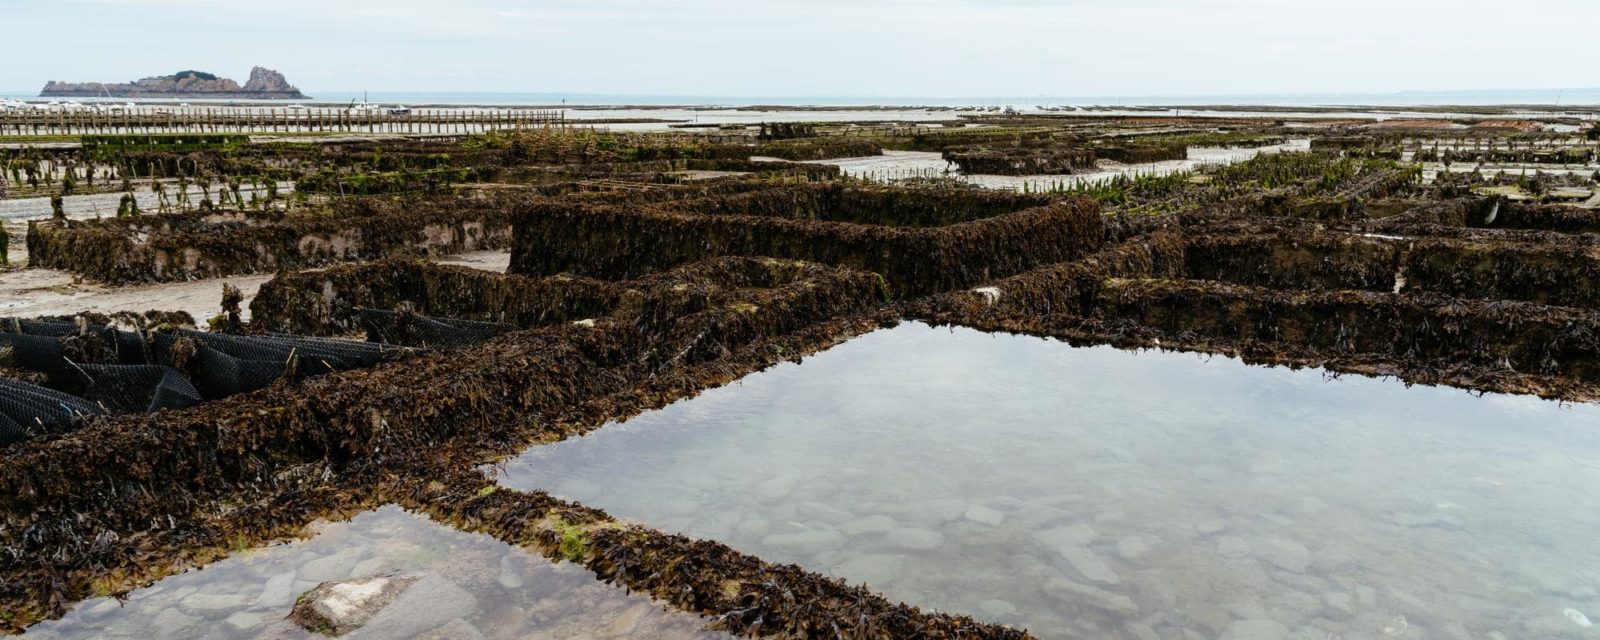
x: 263, y: 79
x: 1256, y: 630
x: 870, y: 524
x: 1088, y: 564
x: 997, y: 608
x: 984, y: 515
x: 809, y: 541
x: 337, y: 608
x: 915, y: 539
x: 278, y: 591
x: 1232, y: 547
x: 1577, y: 617
x: 1284, y: 554
x: 263, y: 84
x: 1132, y: 547
x: 1073, y: 593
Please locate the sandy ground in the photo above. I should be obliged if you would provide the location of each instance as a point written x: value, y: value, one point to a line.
x: 42, y: 292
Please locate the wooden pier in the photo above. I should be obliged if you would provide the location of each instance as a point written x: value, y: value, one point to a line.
x: 147, y: 119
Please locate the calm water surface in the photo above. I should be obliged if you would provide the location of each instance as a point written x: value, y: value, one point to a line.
x: 1092, y: 492
x: 472, y: 587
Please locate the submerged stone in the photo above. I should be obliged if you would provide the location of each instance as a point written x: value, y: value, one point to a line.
x: 337, y: 608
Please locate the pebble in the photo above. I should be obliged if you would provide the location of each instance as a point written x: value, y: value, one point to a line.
x: 331, y: 567
x: 1075, y: 535
x: 510, y: 577
x: 1339, y: 601
x: 1577, y: 617
x: 278, y: 591
x: 456, y: 629
x: 1396, y: 627
x: 245, y: 620
x: 997, y: 608
x: 984, y: 515
x: 1284, y: 554
x: 1232, y: 547
x: 811, y: 541
x: 171, y: 623
x: 1088, y: 564
x: 819, y: 512
x: 776, y: 488
x: 1256, y: 630
x: 215, y: 602
x: 915, y: 539
x: 870, y: 524
x: 1132, y: 547
x: 1212, y: 526
x: 1074, y: 593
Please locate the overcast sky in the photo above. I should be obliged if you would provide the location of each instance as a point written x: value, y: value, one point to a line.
x: 933, y: 48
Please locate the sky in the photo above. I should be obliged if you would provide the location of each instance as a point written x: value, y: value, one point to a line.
x: 865, y: 48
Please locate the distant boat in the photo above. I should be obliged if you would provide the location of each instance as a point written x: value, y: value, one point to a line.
x: 400, y: 110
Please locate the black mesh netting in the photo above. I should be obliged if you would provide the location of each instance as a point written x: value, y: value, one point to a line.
x: 28, y: 409
x: 95, y: 368
x: 316, y: 355
x: 138, y: 388
x: 401, y: 328
x: 216, y: 374
x: 34, y: 353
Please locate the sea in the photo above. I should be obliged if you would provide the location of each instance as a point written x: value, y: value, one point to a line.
x: 1569, y: 97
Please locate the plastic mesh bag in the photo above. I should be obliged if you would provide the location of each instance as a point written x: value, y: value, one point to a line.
x: 137, y: 388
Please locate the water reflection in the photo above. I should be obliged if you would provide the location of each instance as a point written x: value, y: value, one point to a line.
x: 476, y: 587
x: 1102, y: 493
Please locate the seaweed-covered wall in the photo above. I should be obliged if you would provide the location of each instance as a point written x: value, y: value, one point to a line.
x: 942, y: 247
x: 202, y: 245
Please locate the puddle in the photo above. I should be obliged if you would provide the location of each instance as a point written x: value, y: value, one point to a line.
x: 478, y: 588
x: 1092, y: 492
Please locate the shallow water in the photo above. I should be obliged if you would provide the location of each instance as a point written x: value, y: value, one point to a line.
x: 1092, y: 492
x: 899, y: 165
x: 477, y: 587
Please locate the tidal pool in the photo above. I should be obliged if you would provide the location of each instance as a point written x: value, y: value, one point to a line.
x: 475, y: 587
x: 1093, y: 492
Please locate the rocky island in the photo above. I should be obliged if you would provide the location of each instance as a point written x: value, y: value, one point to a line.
x: 264, y: 84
